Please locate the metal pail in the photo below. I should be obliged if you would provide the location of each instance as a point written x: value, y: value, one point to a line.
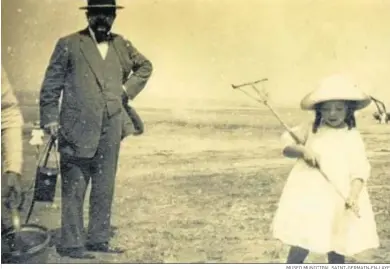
x: 32, y: 249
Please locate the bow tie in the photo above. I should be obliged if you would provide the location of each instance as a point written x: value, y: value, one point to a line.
x: 102, y: 39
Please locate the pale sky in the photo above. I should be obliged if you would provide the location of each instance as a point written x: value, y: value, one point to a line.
x: 200, y: 47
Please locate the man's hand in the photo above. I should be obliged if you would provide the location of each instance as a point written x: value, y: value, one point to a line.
x: 52, y: 128
x: 15, y: 195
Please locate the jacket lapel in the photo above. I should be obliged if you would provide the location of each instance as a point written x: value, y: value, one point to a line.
x: 92, y: 55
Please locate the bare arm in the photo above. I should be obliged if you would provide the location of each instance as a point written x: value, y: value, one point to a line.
x: 360, y: 170
x: 356, y: 187
x: 294, y: 141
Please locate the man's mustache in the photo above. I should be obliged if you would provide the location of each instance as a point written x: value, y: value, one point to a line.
x: 100, y: 22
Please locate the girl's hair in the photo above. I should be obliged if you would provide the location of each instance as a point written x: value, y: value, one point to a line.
x: 349, y: 119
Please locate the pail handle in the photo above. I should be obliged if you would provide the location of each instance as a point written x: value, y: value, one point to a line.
x: 47, y: 150
x: 44, y: 154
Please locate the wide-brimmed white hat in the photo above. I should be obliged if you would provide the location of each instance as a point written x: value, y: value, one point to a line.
x: 336, y: 87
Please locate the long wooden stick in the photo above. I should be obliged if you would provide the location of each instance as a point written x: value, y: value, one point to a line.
x: 295, y: 137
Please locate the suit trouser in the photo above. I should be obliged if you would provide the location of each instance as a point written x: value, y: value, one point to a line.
x: 76, y: 174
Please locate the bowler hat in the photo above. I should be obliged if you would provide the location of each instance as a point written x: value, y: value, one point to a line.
x: 336, y: 87
x: 101, y: 4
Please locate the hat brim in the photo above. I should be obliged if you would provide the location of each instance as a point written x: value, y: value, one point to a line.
x: 309, y: 104
x: 102, y: 6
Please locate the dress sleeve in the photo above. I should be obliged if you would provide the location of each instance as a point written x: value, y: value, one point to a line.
x: 359, y: 164
x: 301, y: 131
x: 11, y: 128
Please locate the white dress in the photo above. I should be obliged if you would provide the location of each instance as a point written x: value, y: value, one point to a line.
x: 311, y: 214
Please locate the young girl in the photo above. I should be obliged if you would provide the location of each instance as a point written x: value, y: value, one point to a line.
x: 312, y: 216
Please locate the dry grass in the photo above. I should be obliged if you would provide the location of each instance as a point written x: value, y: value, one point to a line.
x: 202, y: 186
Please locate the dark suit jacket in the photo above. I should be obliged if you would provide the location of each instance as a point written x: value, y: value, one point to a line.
x: 89, y: 87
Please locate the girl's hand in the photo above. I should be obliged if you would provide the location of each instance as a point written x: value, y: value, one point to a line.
x: 352, y: 203
x: 310, y: 157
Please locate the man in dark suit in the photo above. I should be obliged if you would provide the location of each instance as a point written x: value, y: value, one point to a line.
x: 92, y: 69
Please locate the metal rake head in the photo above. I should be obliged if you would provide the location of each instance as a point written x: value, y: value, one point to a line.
x: 260, y: 95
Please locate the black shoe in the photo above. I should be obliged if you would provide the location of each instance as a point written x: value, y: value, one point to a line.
x: 103, y: 247
x: 75, y: 253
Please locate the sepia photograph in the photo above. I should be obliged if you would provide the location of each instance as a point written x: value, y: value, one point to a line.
x: 195, y: 132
